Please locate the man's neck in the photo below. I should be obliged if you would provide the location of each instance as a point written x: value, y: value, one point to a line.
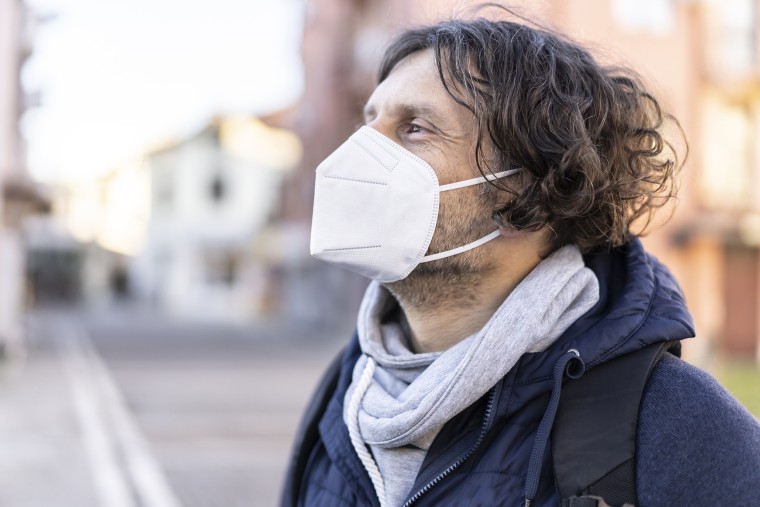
x: 439, y: 328
x: 445, y: 307
x: 436, y: 324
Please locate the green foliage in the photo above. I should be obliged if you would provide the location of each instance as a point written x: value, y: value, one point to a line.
x: 742, y: 379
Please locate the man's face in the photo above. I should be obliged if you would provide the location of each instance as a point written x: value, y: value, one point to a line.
x: 412, y: 108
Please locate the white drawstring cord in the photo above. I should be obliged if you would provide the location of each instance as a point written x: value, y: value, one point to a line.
x: 355, y: 434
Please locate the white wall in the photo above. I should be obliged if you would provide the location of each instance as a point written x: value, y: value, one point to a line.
x: 187, y: 226
x: 11, y: 257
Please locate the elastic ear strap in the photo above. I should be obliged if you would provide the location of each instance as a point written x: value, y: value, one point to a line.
x: 481, y: 179
x: 469, y: 246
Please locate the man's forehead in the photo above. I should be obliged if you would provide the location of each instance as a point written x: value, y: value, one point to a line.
x: 412, y: 88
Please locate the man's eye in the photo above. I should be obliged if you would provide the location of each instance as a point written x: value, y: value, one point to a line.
x: 414, y: 129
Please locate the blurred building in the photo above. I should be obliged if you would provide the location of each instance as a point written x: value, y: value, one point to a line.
x: 700, y: 57
x: 19, y: 196
x: 98, y: 226
x: 54, y: 262
x: 211, y: 196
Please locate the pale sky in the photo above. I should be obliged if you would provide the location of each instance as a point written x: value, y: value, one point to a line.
x: 119, y: 76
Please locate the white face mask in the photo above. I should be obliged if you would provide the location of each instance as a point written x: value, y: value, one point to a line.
x: 376, y: 207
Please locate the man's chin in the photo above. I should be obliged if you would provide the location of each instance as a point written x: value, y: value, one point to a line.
x: 439, y: 283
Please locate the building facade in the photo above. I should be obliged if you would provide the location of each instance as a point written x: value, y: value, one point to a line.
x: 19, y: 196
x: 211, y: 196
x: 701, y: 57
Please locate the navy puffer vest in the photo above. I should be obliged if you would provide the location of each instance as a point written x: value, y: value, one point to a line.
x: 481, y: 456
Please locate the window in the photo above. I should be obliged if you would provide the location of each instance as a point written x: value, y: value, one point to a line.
x: 218, y: 189
x: 726, y: 176
x: 737, y: 34
x: 646, y: 15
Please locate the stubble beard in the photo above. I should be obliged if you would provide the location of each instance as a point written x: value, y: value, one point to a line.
x: 453, y: 281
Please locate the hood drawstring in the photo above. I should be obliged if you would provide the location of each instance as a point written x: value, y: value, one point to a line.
x: 564, y: 366
x: 355, y: 433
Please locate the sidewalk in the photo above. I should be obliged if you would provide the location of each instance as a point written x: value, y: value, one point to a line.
x: 43, y: 463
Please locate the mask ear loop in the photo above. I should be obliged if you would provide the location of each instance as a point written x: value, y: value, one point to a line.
x: 469, y: 246
x: 480, y: 179
x: 485, y: 239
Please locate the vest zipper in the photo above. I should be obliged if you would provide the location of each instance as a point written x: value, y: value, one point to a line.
x: 457, y: 463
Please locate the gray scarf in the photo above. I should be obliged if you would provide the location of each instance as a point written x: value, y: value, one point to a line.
x: 408, y: 397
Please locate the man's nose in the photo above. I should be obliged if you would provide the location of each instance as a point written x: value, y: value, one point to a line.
x: 385, y: 128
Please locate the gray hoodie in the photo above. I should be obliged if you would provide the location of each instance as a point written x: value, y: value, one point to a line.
x: 398, y: 400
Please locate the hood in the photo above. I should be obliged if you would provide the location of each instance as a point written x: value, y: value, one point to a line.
x: 640, y: 304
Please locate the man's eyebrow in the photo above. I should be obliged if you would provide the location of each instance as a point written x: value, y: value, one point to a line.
x: 410, y: 110
x: 407, y: 110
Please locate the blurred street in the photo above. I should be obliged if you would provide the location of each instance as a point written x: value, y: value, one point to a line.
x: 134, y: 410
x: 176, y: 172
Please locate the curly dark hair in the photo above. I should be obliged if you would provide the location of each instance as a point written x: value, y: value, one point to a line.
x: 590, y: 136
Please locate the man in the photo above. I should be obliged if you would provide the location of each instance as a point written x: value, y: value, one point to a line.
x: 489, y: 197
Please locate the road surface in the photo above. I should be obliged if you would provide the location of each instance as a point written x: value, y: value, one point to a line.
x: 122, y: 408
